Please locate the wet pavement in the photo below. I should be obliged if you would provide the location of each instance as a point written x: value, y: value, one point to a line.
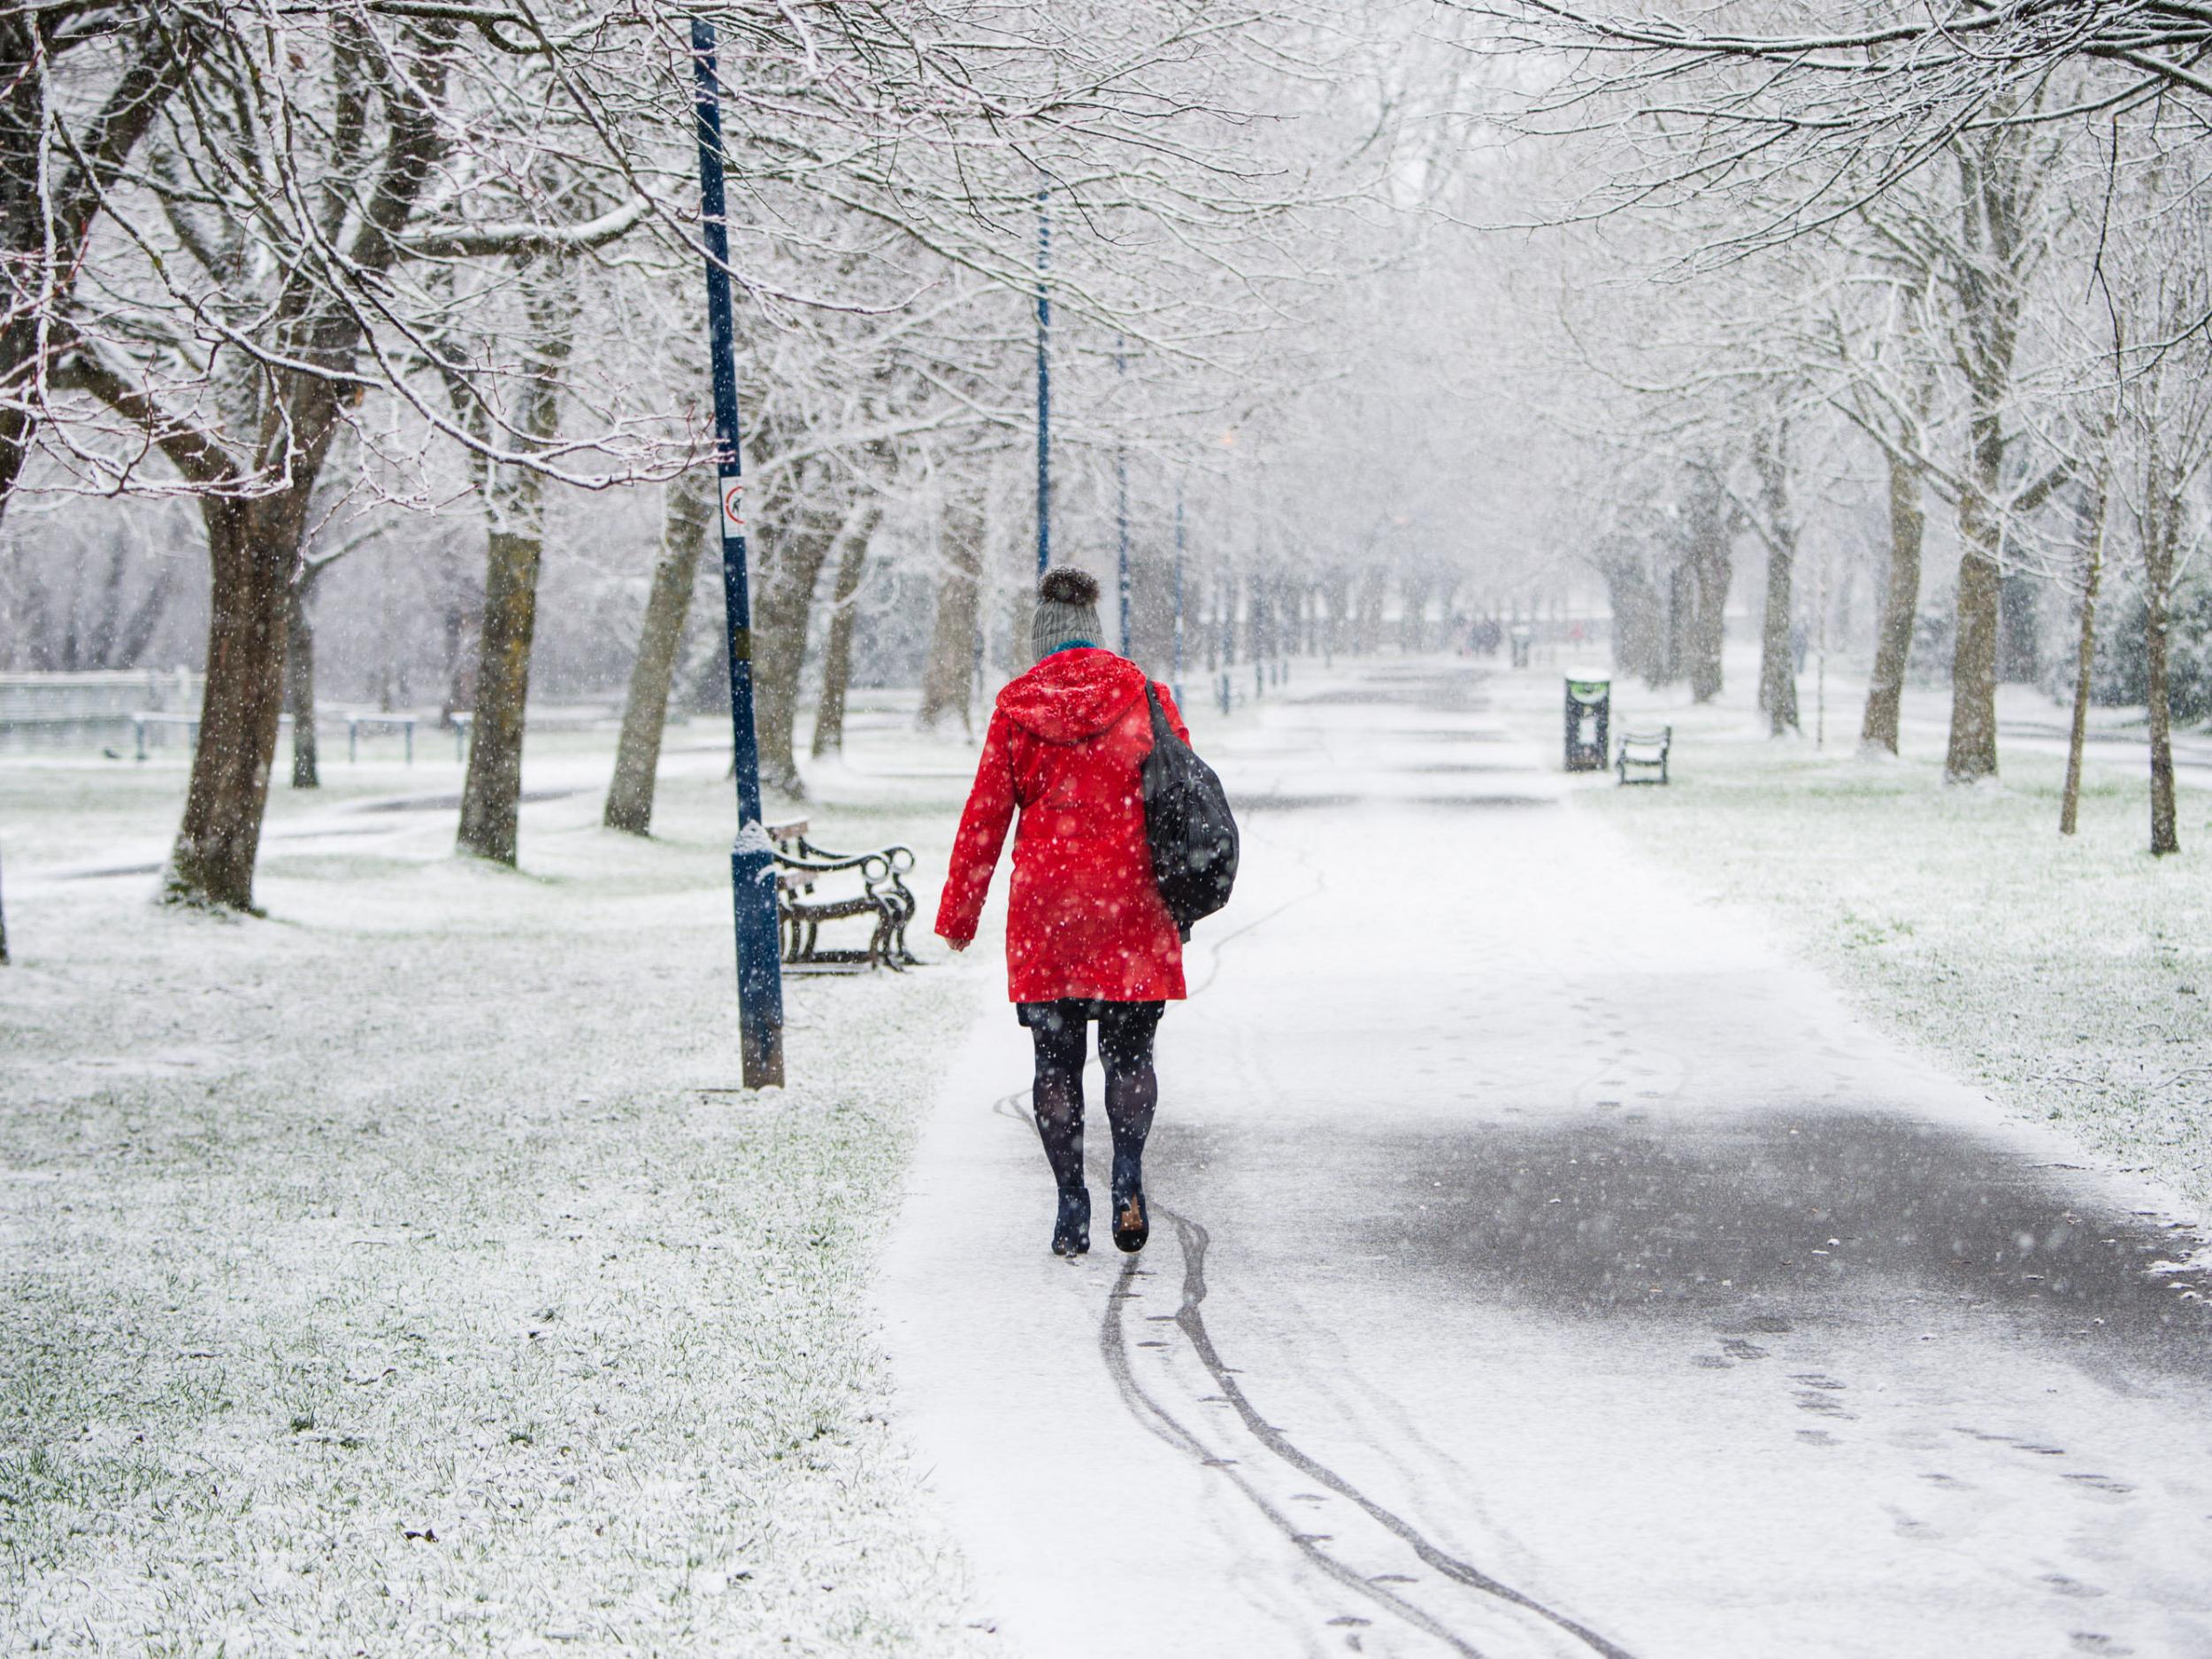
x: 1543, y: 1265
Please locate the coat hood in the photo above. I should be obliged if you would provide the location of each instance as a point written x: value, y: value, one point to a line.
x: 1072, y: 694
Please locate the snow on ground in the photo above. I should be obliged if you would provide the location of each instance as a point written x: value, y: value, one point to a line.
x: 384, y: 1276
x: 2072, y: 978
x: 400, y: 1274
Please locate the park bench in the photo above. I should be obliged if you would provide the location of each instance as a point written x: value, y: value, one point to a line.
x: 884, y: 900
x: 381, y: 723
x: 1644, y: 754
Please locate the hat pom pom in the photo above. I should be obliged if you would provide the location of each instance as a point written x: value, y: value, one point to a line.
x: 1068, y: 586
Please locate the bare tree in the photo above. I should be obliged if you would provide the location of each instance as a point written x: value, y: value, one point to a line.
x: 299, y: 649
x: 514, y: 495
x: 1708, y: 522
x: 2161, y: 518
x: 692, y: 516
x: 1798, y: 122
x: 837, y: 644
x: 1986, y: 264
x: 2085, y: 648
x: 79, y: 87
x: 252, y: 425
x: 1901, y: 607
x: 1775, y: 520
x: 954, y: 630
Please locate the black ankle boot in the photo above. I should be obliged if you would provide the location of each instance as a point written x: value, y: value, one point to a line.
x: 1072, y: 1230
x: 1132, y: 1225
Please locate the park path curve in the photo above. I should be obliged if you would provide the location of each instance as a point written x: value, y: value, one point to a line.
x: 1543, y: 1265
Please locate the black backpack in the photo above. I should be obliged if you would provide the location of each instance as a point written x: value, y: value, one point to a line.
x: 1188, y: 820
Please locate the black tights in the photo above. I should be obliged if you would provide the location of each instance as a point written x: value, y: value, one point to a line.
x: 1132, y: 1089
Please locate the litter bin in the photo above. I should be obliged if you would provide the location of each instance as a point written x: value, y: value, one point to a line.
x: 1519, y: 637
x: 1589, y: 713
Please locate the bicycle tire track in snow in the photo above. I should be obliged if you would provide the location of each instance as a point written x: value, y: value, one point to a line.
x: 1190, y: 1322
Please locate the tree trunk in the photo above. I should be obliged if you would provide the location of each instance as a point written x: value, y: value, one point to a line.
x: 1021, y: 607
x: 1995, y: 185
x: 2163, y: 517
x: 1972, y: 752
x: 782, y: 605
x: 514, y: 503
x: 1778, y: 665
x: 2085, y: 662
x: 950, y: 668
x: 1373, y: 589
x: 299, y: 683
x: 491, y: 799
x: 252, y: 547
x: 1901, y: 608
x: 463, y: 619
x: 1778, y: 676
x: 1712, y: 569
x: 137, y: 634
x: 837, y: 648
x: 2019, y: 642
x: 1638, y: 638
x: 689, y: 516
x: 1681, y: 612
x: 1415, y: 597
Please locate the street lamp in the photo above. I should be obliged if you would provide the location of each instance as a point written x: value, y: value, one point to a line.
x: 1044, y: 384
x: 752, y: 867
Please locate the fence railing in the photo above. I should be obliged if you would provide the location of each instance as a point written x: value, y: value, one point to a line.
x: 98, y: 709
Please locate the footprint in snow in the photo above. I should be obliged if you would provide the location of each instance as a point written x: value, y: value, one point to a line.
x: 2061, y: 1585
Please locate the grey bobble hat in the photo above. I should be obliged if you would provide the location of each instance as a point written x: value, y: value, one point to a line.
x: 1067, y: 610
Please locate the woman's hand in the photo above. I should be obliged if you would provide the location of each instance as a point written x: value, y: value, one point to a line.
x: 959, y: 944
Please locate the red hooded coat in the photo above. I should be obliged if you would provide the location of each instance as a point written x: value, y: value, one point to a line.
x: 1085, y: 918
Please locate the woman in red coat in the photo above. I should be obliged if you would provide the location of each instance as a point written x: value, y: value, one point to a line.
x: 1087, y: 934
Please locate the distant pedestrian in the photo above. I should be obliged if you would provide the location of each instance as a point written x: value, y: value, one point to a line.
x: 1088, y: 935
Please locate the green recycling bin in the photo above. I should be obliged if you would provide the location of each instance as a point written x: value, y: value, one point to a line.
x: 1589, y: 714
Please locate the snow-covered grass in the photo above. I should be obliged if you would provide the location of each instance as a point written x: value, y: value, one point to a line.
x: 2072, y: 978
x: 400, y: 1274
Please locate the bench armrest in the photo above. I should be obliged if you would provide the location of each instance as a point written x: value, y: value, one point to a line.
x: 861, y: 862
x: 901, y: 859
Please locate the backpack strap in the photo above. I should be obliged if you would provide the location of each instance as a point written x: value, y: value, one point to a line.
x: 1160, y: 732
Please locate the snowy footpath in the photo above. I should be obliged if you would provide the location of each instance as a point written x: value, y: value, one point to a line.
x: 1543, y: 1263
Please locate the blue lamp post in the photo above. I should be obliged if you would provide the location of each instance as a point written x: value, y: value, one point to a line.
x: 752, y: 867
x: 1044, y: 386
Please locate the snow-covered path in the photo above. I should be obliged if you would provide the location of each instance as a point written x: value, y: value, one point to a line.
x: 1542, y: 1266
